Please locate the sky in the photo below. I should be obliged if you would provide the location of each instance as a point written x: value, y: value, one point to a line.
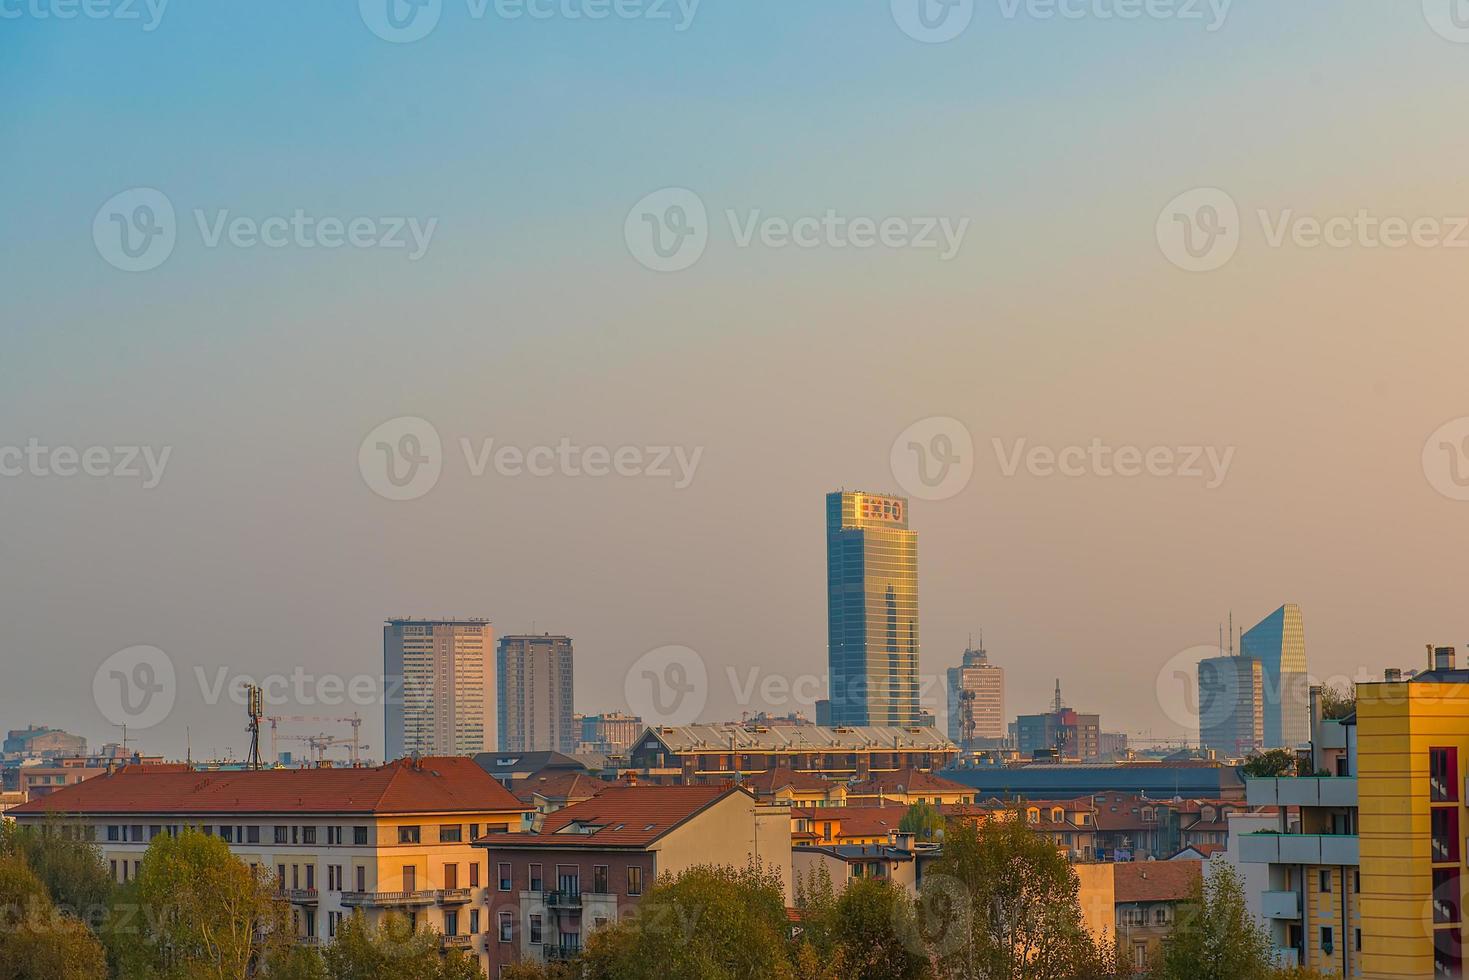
x: 247, y: 241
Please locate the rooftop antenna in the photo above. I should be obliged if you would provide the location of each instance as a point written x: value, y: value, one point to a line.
x: 1231, y: 632
x: 255, y: 706
x: 188, y: 746
x: 1057, y: 704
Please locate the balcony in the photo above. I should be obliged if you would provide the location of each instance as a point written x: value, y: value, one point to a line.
x: 563, y: 900
x: 1302, y: 791
x: 452, y: 896
x: 1265, y: 848
x: 555, y: 953
x: 1287, y: 957
x: 1281, y: 905
x: 387, y: 900
x: 456, y: 942
x: 300, y: 896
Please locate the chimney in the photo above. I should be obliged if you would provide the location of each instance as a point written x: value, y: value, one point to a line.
x: 1443, y: 658
x: 630, y: 777
x: 1392, y: 675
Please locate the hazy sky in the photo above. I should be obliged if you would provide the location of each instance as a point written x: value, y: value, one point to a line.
x: 520, y: 147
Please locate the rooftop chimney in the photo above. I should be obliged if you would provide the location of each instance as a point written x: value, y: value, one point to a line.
x: 1443, y: 658
x: 1392, y: 675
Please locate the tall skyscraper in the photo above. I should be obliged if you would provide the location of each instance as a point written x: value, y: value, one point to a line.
x: 1232, y: 705
x: 872, y: 610
x: 976, y: 698
x: 1279, y: 642
x: 441, y: 697
x: 533, y: 680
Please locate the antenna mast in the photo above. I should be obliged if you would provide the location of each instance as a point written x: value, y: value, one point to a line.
x: 255, y: 706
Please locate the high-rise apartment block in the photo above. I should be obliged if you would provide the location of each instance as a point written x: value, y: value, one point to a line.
x: 1231, y: 705
x: 533, y: 678
x: 976, y: 698
x: 872, y: 610
x: 440, y: 697
x: 1279, y: 642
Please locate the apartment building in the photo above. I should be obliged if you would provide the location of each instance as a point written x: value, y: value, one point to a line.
x: 592, y: 862
x: 1147, y: 897
x: 395, y: 838
x: 907, y: 786
x: 715, y: 753
x: 441, y: 687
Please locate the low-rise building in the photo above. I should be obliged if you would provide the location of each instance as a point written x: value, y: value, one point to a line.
x: 798, y: 789
x: 395, y: 838
x: 907, y: 787
x: 716, y: 753
x: 895, y: 861
x: 593, y: 861
x: 1147, y: 896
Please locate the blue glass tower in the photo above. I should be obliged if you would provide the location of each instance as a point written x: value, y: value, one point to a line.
x: 1279, y: 642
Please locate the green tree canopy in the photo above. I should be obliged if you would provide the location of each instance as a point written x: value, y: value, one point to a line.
x: 38, y: 941
x: 391, y: 950
x: 69, y: 866
x: 1272, y: 762
x: 924, y: 820
x: 1216, y: 937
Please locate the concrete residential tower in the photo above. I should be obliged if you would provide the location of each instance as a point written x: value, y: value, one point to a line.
x: 533, y: 677
x: 440, y: 697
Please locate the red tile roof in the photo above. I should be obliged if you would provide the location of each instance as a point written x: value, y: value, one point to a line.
x: 620, y: 817
x: 432, y: 785
x: 857, y: 821
x: 560, y: 784
x: 907, y: 781
x: 1156, y: 881
x: 766, y: 783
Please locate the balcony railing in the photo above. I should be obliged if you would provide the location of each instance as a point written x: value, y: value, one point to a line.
x: 562, y: 899
x: 1281, y: 905
x: 1270, y: 848
x: 456, y: 942
x: 452, y: 896
x: 557, y: 952
x: 300, y: 896
x: 1302, y: 791
x: 387, y: 899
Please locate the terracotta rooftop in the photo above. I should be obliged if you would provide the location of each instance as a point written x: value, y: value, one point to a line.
x: 1156, y: 881
x: 857, y: 821
x: 432, y: 785
x: 622, y: 816
x: 769, y: 781
x: 907, y: 781
x: 560, y: 784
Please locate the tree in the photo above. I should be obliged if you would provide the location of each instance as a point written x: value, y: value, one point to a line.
x: 38, y: 941
x: 876, y: 932
x: 1338, y: 702
x: 708, y: 923
x: 69, y: 866
x: 1272, y: 762
x: 393, y: 949
x: 196, y: 911
x: 1003, y: 904
x: 1216, y: 937
x: 924, y: 820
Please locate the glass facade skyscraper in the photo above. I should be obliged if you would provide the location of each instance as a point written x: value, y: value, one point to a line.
x: 1279, y: 642
x: 872, y: 610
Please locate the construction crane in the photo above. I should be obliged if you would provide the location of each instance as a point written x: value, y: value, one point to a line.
x: 320, y: 743
x: 355, y: 741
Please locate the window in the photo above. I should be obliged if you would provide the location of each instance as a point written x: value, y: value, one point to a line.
x: 1357, y: 880
x: 535, y: 878
x: 451, y: 876
x: 451, y: 923
x: 634, y: 881
x: 282, y: 834
x: 474, y: 922
x: 410, y: 878
x: 361, y: 878
x: 1324, y: 882
x: 504, y: 877
x: 451, y: 833
x: 474, y: 875
x: 409, y: 835
x: 507, y: 927
x: 474, y: 831
x: 252, y: 835
x: 1326, y: 939
x: 599, y: 879
x: 114, y: 869
x: 535, y: 929
x: 308, y: 835
x: 1443, y: 775
x: 113, y: 832
x: 1357, y: 941
x: 359, y: 836
x: 1444, y: 834
x: 227, y: 834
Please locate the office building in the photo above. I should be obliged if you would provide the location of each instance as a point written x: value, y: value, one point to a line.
x: 610, y: 733
x: 36, y: 741
x: 976, y: 698
x: 1279, y: 642
x: 533, y: 679
x: 1232, y: 706
x: 1066, y: 733
x: 872, y: 610
x: 396, y: 838
x: 440, y: 695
